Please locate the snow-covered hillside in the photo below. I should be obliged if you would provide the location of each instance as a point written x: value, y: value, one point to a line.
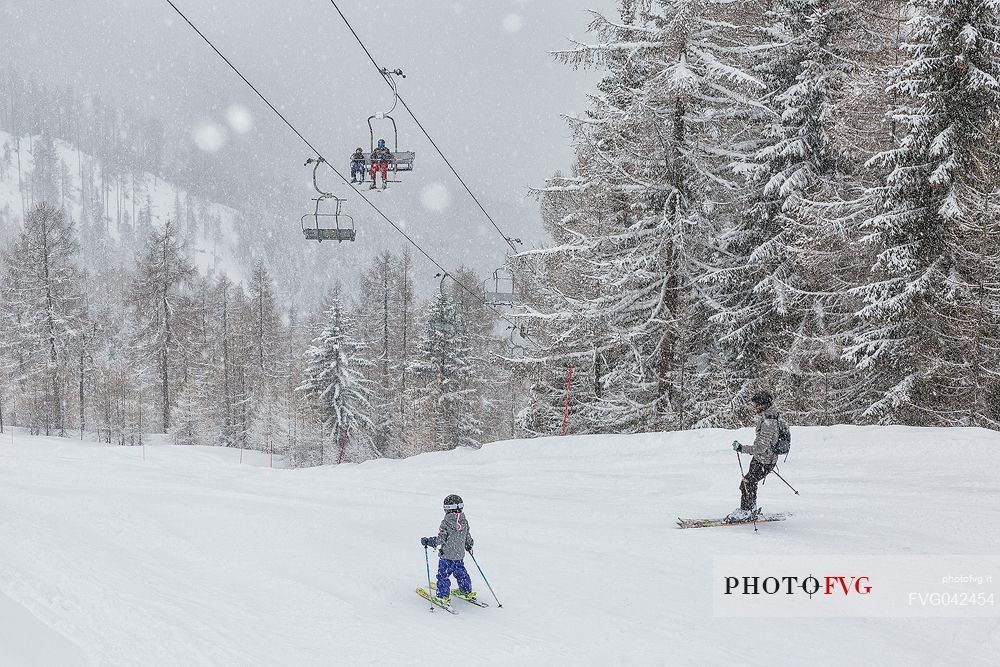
x: 190, y: 558
x: 214, y: 247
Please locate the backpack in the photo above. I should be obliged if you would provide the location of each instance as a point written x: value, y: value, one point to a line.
x: 784, y: 443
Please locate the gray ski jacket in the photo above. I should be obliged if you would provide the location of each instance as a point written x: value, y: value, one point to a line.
x: 763, y: 445
x: 453, y: 537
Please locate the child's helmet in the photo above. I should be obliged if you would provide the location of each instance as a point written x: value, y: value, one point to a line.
x: 358, y: 150
x: 453, y: 502
x: 381, y: 143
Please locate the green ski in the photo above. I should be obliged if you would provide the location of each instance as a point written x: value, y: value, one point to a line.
x: 435, y: 600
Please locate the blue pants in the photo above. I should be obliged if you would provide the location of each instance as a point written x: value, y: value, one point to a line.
x: 446, y: 568
x: 358, y: 168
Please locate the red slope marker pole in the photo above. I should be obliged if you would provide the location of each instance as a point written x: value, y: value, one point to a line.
x: 343, y: 445
x: 569, y: 385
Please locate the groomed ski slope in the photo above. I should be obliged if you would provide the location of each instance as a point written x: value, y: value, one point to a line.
x: 189, y: 558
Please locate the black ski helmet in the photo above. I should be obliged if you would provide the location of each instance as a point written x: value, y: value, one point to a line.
x: 453, y: 502
x: 763, y: 398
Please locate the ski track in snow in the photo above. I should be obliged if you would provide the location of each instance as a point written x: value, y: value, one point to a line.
x: 189, y: 558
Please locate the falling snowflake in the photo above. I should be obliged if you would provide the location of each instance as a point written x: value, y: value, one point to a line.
x: 435, y: 197
x: 210, y: 137
x: 513, y: 22
x: 239, y: 119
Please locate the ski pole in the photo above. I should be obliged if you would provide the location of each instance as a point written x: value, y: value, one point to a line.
x: 485, y: 579
x: 740, y: 460
x: 427, y: 561
x: 785, y: 481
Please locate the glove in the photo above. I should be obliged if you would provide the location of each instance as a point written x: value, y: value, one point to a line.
x: 423, y: 542
x: 737, y: 446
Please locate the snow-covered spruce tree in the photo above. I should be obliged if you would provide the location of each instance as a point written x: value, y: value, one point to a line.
x: 927, y: 344
x: 783, y: 291
x: 158, y: 300
x: 445, y: 396
x: 44, y: 313
x: 641, y: 218
x: 334, y: 379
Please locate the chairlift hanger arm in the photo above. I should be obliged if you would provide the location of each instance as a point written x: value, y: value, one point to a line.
x: 444, y: 275
x: 323, y: 194
x: 388, y: 74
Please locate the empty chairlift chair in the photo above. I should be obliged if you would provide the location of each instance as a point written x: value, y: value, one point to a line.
x: 319, y: 226
x: 499, y: 290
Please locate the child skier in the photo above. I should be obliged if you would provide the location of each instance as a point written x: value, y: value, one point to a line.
x: 358, y: 166
x: 452, y: 541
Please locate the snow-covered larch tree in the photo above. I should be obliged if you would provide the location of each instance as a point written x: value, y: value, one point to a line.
x: 43, y: 313
x: 158, y: 297
x: 626, y: 298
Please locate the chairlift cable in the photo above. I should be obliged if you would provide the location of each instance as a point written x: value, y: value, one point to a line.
x: 319, y: 155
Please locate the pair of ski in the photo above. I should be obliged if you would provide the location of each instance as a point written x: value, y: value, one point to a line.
x: 708, y: 523
x: 436, y: 601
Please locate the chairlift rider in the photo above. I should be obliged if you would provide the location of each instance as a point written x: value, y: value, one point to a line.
x: 380, y: 159
x: 358, y: 166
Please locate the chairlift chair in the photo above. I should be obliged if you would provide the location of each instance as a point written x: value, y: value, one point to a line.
x: 336, y: 226
x: 515, y: 346
x: 499, y: 290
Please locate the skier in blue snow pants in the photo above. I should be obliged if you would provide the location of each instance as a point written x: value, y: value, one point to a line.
x: 358, y: 166
x: 452, y: 541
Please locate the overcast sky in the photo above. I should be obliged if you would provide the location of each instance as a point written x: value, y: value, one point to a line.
x: 478, y: 72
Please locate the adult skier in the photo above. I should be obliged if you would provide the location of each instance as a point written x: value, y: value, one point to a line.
x: 381, y: 157
x: 764, y: 455
x: 358, y: 166
x: 452, y: 541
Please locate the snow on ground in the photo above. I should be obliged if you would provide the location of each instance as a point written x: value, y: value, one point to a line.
x: 190, y: 558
